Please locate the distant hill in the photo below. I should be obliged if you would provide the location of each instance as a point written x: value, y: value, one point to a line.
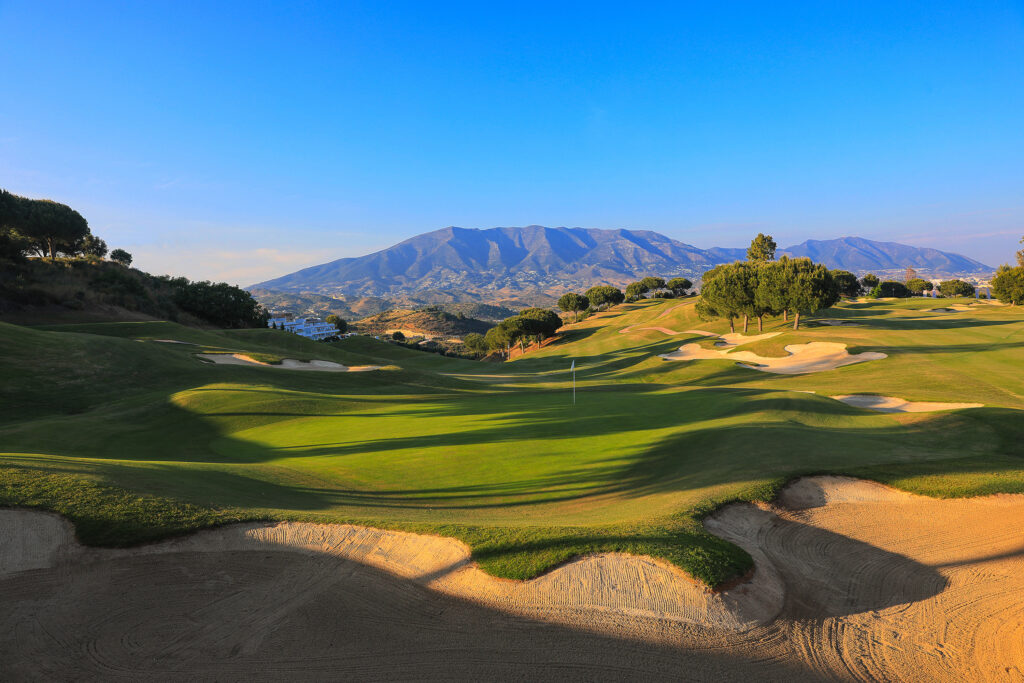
x: 857, y: 254
x: 305, y: 303
x: 430, y: 322
x: 524, y: 265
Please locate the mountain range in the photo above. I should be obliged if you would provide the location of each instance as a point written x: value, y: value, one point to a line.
x: 510, y: 264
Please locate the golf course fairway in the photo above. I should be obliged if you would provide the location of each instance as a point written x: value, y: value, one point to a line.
x: 134, y: 439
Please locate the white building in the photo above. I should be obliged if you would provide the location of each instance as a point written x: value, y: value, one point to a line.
x: 313, y: 328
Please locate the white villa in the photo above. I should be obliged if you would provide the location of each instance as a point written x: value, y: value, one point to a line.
x: 313, y: 328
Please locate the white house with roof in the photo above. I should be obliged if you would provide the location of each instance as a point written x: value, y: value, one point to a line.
x: 312, y: 328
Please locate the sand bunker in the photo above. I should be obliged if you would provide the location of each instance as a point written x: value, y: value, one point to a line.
x: 891, y: 404
x: 286, y: 364
x: 854, y: 581
x: 802, y: 358
x: 950, y: 309
x: 838, y: 323
x: 734, y: 339
x: 607, y: 582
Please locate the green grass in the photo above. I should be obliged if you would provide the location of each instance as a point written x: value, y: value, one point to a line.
x: 134, y: 439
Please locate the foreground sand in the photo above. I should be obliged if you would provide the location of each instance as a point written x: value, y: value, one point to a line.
x: 854, y: 581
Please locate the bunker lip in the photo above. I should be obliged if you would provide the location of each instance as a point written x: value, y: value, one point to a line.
x: 286, y: 364
x: 638, y: 586
x: 892, y: 404
x: 851, y: 575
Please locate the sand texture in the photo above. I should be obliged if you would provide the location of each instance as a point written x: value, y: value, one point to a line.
x: 891, y: 404
x: 286, y: 364
x: 854, y: 581
x: 802, y: 358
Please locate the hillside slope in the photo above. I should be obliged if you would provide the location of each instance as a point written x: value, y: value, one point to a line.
x: 430, y: 322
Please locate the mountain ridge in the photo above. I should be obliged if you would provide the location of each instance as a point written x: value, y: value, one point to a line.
x: 506, y: 261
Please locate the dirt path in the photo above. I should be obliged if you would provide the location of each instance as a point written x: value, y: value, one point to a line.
x: 854, y: 581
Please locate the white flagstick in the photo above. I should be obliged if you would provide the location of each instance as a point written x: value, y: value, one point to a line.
x: 573, y: 369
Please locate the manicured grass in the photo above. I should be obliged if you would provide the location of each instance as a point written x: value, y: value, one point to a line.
x: 496, y: 454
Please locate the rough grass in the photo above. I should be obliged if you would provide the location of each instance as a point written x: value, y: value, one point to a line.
x: 134, y: 440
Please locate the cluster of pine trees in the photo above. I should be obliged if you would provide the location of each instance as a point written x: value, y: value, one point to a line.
x: 531, y: 324
x: 762, y: 286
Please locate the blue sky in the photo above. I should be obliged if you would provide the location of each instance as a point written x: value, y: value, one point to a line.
x: 241, y: 141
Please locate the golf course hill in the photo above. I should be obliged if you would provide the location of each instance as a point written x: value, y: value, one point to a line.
x: 431, y: 321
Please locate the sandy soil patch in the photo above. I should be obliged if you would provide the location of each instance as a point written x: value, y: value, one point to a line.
x: 802, y: 358
x: 891, y: 404
x: 286, y: 364
x: 854, y: 581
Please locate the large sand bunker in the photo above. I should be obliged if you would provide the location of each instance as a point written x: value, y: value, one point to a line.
x: 802, y: 358
x: 286, y: 364
x: 868, y: 584
x: 891, y: 404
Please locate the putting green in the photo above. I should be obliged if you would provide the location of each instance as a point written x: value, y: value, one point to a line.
x: 134, y: 438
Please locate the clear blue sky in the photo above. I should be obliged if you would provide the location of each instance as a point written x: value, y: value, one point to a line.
x: 240, y: 141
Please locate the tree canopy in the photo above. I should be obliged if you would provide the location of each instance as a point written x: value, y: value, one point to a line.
x: 338, y: 322
x: 762, y: 248
x: 219, y: 303
x: 121, y: 256
x: 893, y: 288
x: 919, y: 285
x: 540, y: 322
x: 1008, y: 285
x: 869, y: 281
x: 636, y: 290
x: 475, y: 342
x: 573, y: 303
x: 603, y: 296
x: 846, y: 283
x: 953, y: 288
x: 725, y: 294
x: 811, y: 288
x: 679, y: 286
x: 653, y: 283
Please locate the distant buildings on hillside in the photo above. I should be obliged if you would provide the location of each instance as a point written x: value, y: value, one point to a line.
x: 312, y: 328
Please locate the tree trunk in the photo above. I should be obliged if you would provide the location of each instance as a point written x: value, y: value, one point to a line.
x: 732, y: 325
x: 785, y: 315
x: 760, y: 323
x: 796, y: 320
x: 745, y: 321
x: 49, y: 243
